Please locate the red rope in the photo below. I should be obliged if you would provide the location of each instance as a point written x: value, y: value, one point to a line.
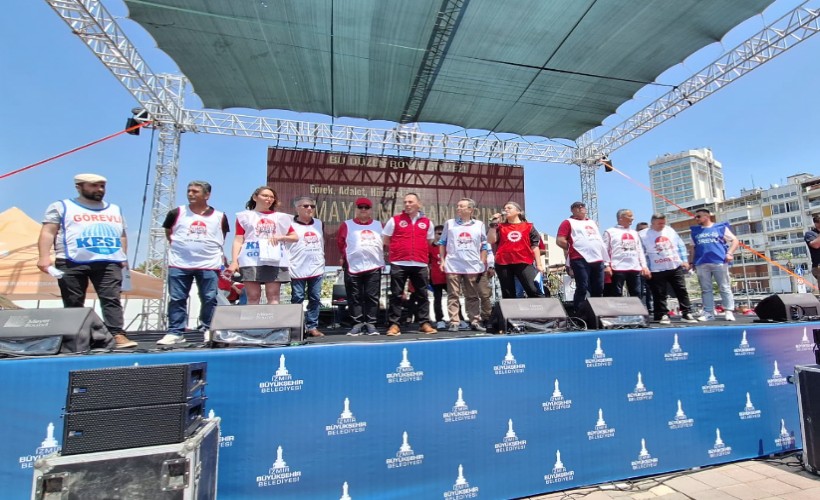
x: 130, y: 129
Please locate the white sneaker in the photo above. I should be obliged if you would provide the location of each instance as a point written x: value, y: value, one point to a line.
x: 706, y: 317
x: 171, y: 339
x: 665, y: 320
x: 729, y: 316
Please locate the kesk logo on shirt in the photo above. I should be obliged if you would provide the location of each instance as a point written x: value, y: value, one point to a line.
x: 514, y: 236
x: 101, y: 239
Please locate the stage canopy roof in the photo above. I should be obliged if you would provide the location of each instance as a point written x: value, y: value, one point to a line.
x: 550, y: 68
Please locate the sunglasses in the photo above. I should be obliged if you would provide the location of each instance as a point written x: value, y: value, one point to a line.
x: 308, y: 206
x: 362, y: 207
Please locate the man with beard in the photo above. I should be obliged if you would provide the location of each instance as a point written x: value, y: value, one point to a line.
x: 89, y: 241
x: 715, y: 245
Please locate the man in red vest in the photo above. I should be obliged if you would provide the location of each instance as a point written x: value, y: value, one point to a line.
x: 407, y: 237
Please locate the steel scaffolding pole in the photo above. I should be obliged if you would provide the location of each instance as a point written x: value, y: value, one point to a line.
x: 164, y: 199
x: 167, y: 167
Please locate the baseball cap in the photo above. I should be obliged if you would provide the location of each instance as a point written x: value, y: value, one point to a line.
x: 363, y: 201
x: 578, y: 204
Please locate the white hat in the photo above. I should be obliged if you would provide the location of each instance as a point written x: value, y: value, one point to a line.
x: 79, y: 178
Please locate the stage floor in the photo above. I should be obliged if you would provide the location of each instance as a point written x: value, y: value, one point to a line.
x: 336, y: 335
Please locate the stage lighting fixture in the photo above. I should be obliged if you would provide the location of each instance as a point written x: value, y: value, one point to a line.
x: 139, y: 116
x: 607, y: 163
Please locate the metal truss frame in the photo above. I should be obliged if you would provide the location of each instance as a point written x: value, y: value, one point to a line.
x: 779, y: 36
x: 166, y: 171
x: 162, y: 96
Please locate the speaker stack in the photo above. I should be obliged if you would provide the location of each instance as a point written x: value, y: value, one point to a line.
x: 807, y: 379
x: 37, y: 332
x: 788, y: 307
x: 529, y: 315
x: 119, y: 408
x: 614, y: 312
x: 257, y: 325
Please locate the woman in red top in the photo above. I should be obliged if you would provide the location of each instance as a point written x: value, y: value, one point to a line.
x: 518, y: 248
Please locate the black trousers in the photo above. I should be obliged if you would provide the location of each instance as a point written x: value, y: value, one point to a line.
x: 525, y: 273
x: 363, y: 292
x: 106, y: 277
x: 419, y: 277
x: 632, y: 280
x: 676, y: 278
x: 438, y: 294
x: 646, y: 293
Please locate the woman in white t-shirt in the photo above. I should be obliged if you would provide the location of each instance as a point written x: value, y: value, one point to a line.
x: 260, y: 225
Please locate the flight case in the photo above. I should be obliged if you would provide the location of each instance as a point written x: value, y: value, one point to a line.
x: 178, y: 471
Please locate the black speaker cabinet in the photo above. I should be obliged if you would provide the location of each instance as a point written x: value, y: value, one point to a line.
x: 788, y: 307
x: 270, y: 324
x: 529, y: 315
x: 808, y: 398
x: 129, y: 386
x: 614, y: 312
x: 122, y: 428
x: 31, y: 332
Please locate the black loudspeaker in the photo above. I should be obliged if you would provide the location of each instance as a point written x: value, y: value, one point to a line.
x: 270, y: 324
x: 107, y: 388
x: 122, y: 428
x: 32, y: 332
x: 614, y: 312
x: 808, y: 398
x: 529, y: 315
x: 788, y: 307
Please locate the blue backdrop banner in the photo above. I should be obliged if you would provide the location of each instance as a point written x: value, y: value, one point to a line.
x: 491, y: 417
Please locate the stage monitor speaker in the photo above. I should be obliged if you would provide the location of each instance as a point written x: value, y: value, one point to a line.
x: 123, y: 428
x: 808, y: 399
x: 257, y: 325
x: 614, y: 312
x: 529, y: 315
x: 36, y: 332
x: 788, y: 307
x: 128, y: 386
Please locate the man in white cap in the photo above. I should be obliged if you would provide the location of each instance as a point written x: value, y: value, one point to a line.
x: 88, y: 237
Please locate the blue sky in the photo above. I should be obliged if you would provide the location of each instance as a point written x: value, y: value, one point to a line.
x: 763, y: 127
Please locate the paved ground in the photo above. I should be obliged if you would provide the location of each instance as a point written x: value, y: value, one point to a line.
x: 764, y: 479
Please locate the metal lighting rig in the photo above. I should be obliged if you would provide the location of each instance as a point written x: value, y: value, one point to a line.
x: 162, y: 95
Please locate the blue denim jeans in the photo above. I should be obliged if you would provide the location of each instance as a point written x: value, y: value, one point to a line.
x: 589, y: 277
x: 720, y: 272
x: 179, y: 287
x: 314, y: 296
